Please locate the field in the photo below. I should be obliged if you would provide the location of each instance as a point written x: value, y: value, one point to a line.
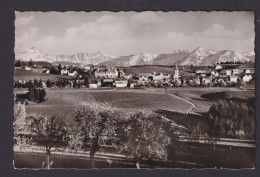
x: 202, y: 103
x: 174, y: 104
x: 63, y: 101
x: 27, y: 75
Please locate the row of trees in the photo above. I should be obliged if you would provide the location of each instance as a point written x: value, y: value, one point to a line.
x: 192, y: 83
x: 57, y: 69
x: 30, y: 83
x: 49, y: 83
x: 20, y: 63
x: 141, y: 135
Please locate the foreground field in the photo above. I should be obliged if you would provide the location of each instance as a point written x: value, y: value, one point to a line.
x: 186, y: 155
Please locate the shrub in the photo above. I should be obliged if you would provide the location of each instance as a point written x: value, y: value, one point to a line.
x: 36, y: 94
x: 42, y: 94
x: 48, y: 83
x: 30, y: 94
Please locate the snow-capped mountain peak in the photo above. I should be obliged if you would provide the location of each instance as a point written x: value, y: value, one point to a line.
x: 34, y: 50
x: 199, y: 56
x: 249, y: 54
x: 142, y: 58
x: 204, y: 51
x: 232, y: 56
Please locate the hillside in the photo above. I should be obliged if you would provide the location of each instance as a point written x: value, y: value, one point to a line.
x: 170, y: 59
x: 148, y: 69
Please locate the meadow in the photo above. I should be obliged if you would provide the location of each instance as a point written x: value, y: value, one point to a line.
x: 62, y: 101
x: 174, y: 104
x: 27, y: 75
x: 199, y: 96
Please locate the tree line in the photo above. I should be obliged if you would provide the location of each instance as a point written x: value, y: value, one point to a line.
x: 233, y: 118
x: 48, y: 84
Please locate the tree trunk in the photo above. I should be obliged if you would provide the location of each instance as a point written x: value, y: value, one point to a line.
x: 150, y: 162
x: 48, y: 154
x: 137, y: 164
x: 92, y: 160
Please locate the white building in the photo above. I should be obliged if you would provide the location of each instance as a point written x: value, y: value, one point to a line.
x: 64, y: 72
x: 112, y: 74
x: 233, y: 79
x: 218, y: 67
x: 228, y: 72
x: 107, y: 73
x: 196, y: 81
x: 158, y: 76
x: 27, y: 68
x: 93, y: 86
x: 121, y: 83
x: 247, y: 78
x: 74, y: 73
x: 249, y: 71
x: 207, y: 80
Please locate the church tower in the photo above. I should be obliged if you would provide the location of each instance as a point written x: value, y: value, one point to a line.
x: 176, y: 75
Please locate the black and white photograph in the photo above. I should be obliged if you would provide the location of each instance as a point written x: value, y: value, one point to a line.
x: 150, y: 89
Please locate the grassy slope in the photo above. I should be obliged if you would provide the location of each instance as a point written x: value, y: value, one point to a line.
x: 202, y: 105
x: 195, y: 95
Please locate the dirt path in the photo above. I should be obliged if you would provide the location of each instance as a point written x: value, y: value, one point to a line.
x: 184, y: 99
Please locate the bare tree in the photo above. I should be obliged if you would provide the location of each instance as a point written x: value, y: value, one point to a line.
x: 48, y: 131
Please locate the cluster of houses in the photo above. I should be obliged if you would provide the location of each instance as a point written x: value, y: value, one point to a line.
x: 224, y: 73
x: 228, y: 72
x: 101, y: 76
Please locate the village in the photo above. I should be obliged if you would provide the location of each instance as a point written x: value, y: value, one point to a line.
x: 90, y: 76
x: 151, y: 89
x: 187, y: 97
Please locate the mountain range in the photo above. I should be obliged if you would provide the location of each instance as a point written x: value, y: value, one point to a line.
x: 199, y: 56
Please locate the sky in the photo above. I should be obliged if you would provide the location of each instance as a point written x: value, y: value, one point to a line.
x: 125, y: 33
